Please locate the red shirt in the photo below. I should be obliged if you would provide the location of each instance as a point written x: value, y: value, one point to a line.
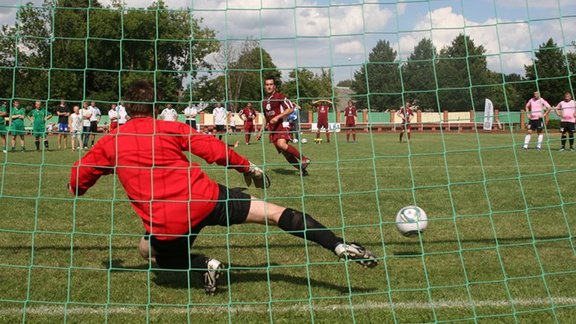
x: 273, y: 106
x: 249, y: 114
x: 406, y: 114
x: 168, y: 192
x: 323, y: 111
x: 350, y: 113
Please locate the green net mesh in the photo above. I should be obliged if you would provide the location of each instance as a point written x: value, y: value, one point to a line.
x: 499, y: 246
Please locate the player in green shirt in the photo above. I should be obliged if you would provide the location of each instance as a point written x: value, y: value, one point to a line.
x: 17, y: 116
x: 3, y: 114
x: 38, y: 117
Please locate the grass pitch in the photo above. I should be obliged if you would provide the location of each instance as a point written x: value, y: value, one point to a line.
x: 498, y: 247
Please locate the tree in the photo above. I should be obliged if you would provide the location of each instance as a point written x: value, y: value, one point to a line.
x: 305, y: 86
x: 550, y: 71
x: 79, y: 50
x: 245, y: 66
x: 419, y: 75
x: 377, y: 84
x: 463, y: 75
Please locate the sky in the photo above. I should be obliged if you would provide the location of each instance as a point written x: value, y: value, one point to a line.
x: 341, y: 33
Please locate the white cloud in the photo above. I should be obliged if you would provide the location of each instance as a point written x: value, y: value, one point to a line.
x: 509, y: 44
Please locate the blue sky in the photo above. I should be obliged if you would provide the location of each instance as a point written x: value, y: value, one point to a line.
x: 341, y: 33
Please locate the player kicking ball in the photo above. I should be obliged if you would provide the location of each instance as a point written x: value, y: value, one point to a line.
x: 176, y: 200
x: 277, y: 108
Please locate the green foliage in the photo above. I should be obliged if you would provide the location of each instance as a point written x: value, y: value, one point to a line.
x: 419, y: 75
x: 550, y: 70
x: 378, y: 84
x: 245, y: 67
x: 305, y: 86
x: 79, y: 50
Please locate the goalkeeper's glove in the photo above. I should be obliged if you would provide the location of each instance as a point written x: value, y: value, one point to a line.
x: 256, y: 175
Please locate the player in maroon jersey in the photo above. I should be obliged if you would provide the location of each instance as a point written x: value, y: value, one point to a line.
x: 323, y: 107
x: 406, y: 114
x: 277, y: 107
x: 351, y: 116
x: 248, y: 115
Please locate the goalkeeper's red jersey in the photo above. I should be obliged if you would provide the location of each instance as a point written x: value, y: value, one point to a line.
x: 170, y: 193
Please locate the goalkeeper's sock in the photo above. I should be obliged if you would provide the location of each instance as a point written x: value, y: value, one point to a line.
x: 37, y: 143
x: 540, y: 139
x: 571, y: 140
x: 46, y: 144
x: 304, y: 226
x: 563, y: 140
x: 527, y: 140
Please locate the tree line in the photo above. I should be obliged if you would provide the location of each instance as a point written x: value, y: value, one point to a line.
x: 81, y: 50
x: 457, y: 77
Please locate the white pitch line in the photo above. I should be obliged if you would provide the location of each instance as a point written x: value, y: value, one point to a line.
x: 59, y: 310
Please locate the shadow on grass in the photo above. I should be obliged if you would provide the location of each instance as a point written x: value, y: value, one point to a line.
x: 183, y: 280
x: 285, y: 171
x: 292, y: 245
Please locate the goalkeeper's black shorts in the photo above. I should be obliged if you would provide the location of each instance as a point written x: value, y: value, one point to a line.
x: 231, y: 208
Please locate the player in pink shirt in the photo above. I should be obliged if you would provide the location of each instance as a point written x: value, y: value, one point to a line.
x: 536, y: 109
x: 567, y: 111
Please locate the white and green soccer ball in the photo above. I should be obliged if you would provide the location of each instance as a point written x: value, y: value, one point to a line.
x: 411, y: 221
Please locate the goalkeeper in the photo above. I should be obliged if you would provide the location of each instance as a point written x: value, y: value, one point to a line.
x: 175, y: 199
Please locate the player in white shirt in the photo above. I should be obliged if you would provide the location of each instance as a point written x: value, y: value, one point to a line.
x: 122, y: 115
x: 113, y: 117
x: 169, y: 113
x: 232, y: 122
x: 567, y: 111
x: 86, y: 114
x: 537, y: 111
x: 94, y: 120
x: 190, y: 114
x: 75, y: 126
x: 220, y: 114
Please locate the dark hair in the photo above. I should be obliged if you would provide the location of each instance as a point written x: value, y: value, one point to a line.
x: 140, y: 98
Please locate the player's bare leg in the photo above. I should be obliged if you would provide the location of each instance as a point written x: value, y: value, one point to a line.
x: 305, y: 226
x: 327, y: 136
x: 401, y: 135
x: 317, y: 136
x: 348, y: 136
x: 247, y: 138
x: 408, y: 132
x: 354, y: 135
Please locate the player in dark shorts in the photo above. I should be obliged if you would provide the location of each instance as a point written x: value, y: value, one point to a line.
x: 322, y: 107
x: 248, y: 114
x: 63, y: 113
x: 176, y: 201
x: 350, y: 114
x: 277, y: 107
x: 38, y: 117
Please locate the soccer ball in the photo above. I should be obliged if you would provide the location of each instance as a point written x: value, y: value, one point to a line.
x: 304, y: 141
x: 295, y: 141
x: 411, y: 221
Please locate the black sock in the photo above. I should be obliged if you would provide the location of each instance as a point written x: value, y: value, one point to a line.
x: 293, y: 221
x: 563, y: 139
x: 571, y: 139
x: 46, y: 144
x: 37, y: 143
